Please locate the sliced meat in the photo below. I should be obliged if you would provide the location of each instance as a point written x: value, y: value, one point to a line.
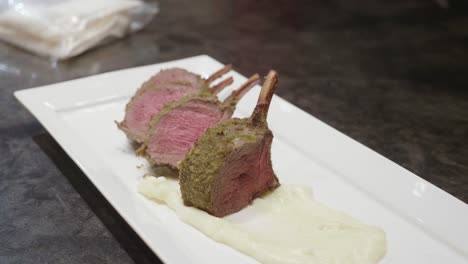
x: 142, y: 108
x: 165, y: 87
x: 176, y: 75
x: 230, y: 164
x: 174, y: 130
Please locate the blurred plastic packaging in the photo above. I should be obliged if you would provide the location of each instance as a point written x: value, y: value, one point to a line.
x: 61, y: 29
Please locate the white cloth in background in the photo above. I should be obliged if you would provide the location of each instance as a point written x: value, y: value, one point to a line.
x: 64, y: 28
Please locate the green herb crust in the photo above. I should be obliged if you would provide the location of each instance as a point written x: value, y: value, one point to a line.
x: 201, y: 166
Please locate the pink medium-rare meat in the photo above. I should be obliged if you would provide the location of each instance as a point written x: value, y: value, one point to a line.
x: 176, y: 75
x: 174, y: 130
x: 230, y: 163
x: 184, y: 77
x: 142, y: 108
x: 247, y: 173
x: 165, y: 87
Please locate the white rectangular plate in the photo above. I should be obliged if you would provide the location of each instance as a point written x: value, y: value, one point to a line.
x: 423, y: 223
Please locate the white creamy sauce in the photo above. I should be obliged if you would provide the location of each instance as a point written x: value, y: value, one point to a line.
x: 286, y: 226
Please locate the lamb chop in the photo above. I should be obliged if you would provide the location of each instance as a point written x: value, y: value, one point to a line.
x: 230, y: 164
x: 165, y: 87
x: 174, y: 130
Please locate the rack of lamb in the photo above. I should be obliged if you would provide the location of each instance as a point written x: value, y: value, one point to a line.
x: 174, y: 130
x: 230, y: 164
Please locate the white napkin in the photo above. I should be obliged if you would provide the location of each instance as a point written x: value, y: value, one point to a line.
x: 64, y: 28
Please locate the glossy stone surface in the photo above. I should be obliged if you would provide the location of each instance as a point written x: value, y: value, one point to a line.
x: 390, y: 74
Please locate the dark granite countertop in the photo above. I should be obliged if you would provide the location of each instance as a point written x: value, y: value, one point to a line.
x: 391, y: 74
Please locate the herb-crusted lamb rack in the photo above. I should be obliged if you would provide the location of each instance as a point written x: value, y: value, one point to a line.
x: 230, y: 164
x: 174, y: 130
